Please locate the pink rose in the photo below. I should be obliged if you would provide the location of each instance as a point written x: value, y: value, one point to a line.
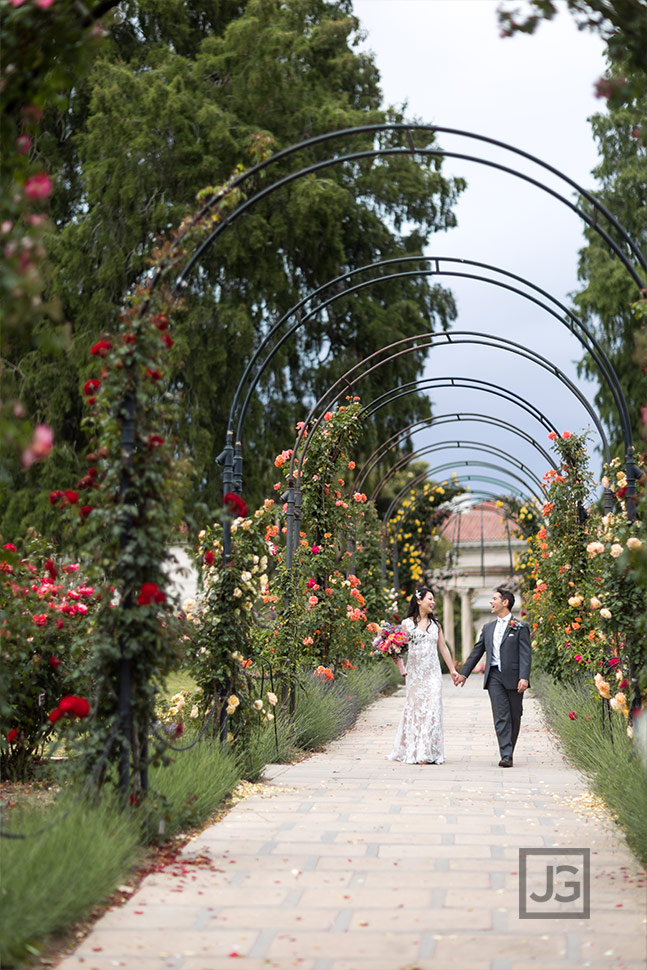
x: 39, y: 186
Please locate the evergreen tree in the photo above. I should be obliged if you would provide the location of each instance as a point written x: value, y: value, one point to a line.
x: 172, y: 104
x: 605, y: 302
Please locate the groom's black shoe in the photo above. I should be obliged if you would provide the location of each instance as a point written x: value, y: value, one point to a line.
x: 505, y: 763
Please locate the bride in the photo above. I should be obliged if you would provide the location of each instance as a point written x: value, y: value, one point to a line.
x: 420, y: 733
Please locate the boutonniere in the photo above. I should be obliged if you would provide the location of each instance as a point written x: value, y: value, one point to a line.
x: 513, y: 624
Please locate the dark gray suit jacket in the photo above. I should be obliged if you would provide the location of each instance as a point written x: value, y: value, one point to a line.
x: 515, y: 653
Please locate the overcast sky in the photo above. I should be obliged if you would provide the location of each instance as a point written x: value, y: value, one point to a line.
x: 446, y: 61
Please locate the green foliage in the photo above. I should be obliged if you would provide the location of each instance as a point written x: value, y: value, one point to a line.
x: 583, y: 604
x: 45, y: 52
x: 600, y: 746
x: 187, y: 788
x: 326, y: 708
x: 175, y: 101
x: 609, y: 302
x: 55, y: 877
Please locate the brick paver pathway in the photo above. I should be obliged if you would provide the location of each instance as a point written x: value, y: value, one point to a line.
x: 347, y: 861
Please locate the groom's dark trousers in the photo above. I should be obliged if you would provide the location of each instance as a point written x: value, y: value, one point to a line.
x: 501, y: 684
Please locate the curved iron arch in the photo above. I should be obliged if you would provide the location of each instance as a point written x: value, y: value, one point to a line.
x: 583, y: 334
x: 438, y: 420
x: 450, y: 337
x: 520, y: 493
x: 440, y: 445
x: 411, y: 149
x: 492, y: 503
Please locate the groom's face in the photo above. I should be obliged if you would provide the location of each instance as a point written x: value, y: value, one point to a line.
x: 497, y: 605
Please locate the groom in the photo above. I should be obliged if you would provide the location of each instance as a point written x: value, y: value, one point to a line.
x: 506, y: 644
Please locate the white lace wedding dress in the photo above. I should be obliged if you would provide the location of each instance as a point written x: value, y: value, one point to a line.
x: 420, y: 732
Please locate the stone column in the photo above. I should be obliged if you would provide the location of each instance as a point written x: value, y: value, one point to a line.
x: 448, y: 620
x: 467, y: 623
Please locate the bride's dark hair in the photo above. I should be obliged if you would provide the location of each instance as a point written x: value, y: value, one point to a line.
x: 414, y: 608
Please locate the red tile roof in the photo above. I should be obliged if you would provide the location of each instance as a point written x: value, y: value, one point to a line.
x: 480, y: 519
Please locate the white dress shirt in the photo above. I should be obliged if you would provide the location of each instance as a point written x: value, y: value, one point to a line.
x: 499, y: 633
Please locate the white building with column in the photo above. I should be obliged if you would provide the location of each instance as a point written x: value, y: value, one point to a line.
x: 481, y: 558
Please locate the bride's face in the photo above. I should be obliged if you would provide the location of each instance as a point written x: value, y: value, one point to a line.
x: 427, y: 603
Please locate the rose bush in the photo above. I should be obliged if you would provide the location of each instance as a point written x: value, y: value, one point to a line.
x: 584, y: 606
x: 47, y: 615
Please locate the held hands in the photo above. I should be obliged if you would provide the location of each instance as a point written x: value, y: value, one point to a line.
x: 458, y: 679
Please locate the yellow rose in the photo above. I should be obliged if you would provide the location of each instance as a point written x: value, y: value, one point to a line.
x: 233, y: 701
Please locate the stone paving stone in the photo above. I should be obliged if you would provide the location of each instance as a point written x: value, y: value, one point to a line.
x: 347, y: 861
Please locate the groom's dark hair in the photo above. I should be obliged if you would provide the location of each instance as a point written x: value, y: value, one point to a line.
x: 506, y: 596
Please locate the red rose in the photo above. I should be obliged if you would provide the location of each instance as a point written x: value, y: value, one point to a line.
x: 55, y: 715
x: 10, y: 546
x: 71, y: 496
x: 91, y: 386
x: 76, y: 706
x: 130, y: 338
x: 54, y: 662
x: 154, y: 374
x: 150, y: 593
x: 60, y: 624
x: 621, y: 492
x: 101, y: 348
x: 85, y: 510
x: 54, y: 497
x: 234, y: 504
x: 155, y: 440
x: 167, y: 340
x: 12, y: 735
x: 209, y: 557
x: 572, y: 715
x: 161, y: 321
x: 51, y: 568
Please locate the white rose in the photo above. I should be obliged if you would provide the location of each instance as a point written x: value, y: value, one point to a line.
x: 201, y: 534
x: 605, y: 613
x: 231, y: 710
x: 263, y: 579
x: 269, y: 716
x: 255, y: 560
x: 616, y: 550
x: 595, y: 603
x: 246, y: 576
x: 272, y: 698
x: 247, y: 524
x: 634, y: 542
x: 258, y: 705
x: 263, y: 563
x: 194, y: 711
x: 604, y: 482
x: 238, y: 592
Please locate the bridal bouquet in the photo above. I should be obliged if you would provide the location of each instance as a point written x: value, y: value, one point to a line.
x: 391, y: 640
